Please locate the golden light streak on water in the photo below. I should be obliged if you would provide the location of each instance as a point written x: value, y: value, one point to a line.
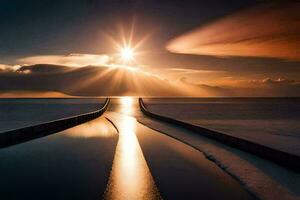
x: 126, y: 104
x: 95, y: 128
x: 130, y: 176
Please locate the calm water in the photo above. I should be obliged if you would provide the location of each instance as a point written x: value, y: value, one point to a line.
x: 17, y: 113
x: 270, y: 121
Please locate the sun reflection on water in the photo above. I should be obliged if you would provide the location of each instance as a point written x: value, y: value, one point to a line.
x: 126, y: 105
x: 95, y: 128
x: 130, y: 176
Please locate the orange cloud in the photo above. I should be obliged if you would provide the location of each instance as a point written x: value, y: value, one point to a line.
x: 11, y: 68
x: 72, y: 60
x: 271, y: 30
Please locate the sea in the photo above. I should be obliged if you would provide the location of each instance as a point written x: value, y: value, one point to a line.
x: 274, y: 122
x: 18, y: 112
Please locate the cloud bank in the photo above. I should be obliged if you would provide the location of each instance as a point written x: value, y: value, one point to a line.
x: 85, y: 81
x: 271, y: 30
x: 266, y: 87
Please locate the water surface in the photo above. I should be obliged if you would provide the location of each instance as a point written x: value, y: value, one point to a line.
x: 72, y: 164
x: 17, y: 113
x: 270, y: 121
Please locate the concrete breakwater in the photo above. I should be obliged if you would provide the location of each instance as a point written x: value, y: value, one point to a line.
x: 282, y: 158
x: 20, y: 135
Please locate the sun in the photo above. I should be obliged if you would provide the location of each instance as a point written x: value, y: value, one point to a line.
x: 127, y: 54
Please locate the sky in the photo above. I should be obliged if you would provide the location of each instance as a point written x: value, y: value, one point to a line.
x: 181, y: 48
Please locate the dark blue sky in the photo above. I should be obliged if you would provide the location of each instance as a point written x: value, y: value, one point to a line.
x: 31, y: 27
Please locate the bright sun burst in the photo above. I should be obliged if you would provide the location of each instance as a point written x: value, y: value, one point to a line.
x: 127, y: 54
x: 128, y: 48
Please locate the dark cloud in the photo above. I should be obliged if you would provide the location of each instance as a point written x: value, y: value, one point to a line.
x: 280, y: 81
x: 86, y: 81
x: 44, y: 68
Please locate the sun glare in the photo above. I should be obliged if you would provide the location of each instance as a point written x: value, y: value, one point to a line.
x: 127, y: 54
x: 127, y: 102
x: 127, y: 47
